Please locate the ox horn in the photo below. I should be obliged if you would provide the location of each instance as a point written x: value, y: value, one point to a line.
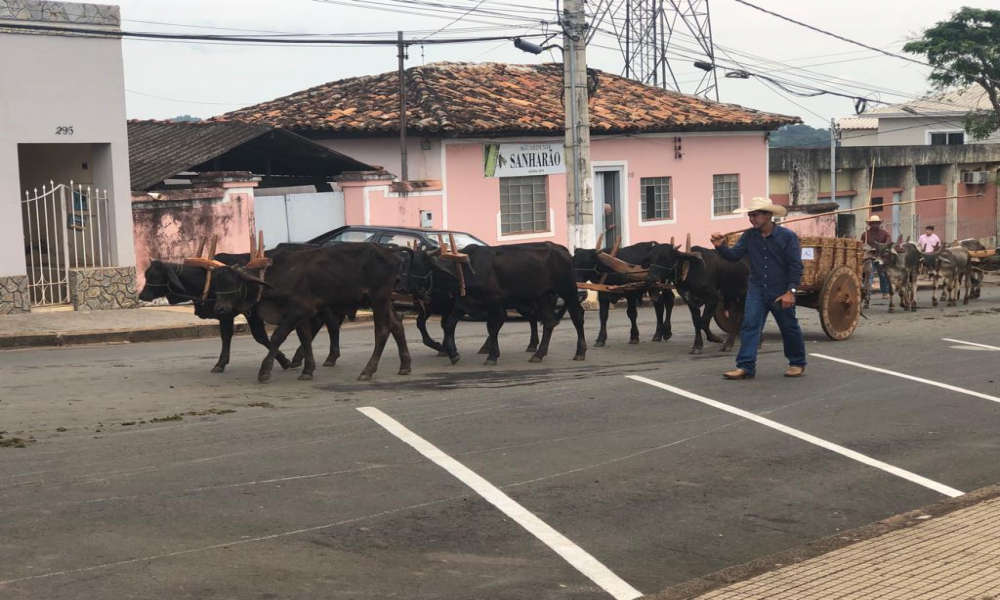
x: 600, y: 242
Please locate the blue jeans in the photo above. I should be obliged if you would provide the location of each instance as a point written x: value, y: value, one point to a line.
x: 757, y: 307
x: 883, y: 281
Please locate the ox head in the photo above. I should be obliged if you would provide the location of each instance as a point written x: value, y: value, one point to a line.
x: 161, y: 280
x: 665, y: 263
x: 232, y: 287
x: 585, y: 264
x: 422, y: 271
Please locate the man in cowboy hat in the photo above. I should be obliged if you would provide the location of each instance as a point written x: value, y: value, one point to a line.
x: 775, y: 272
x: 874, y: 236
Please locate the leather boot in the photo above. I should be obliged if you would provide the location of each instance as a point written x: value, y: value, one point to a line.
x: 737, y: 374
x: 795, y: 371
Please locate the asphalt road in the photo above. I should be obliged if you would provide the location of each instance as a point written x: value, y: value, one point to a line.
x: 136, y: 481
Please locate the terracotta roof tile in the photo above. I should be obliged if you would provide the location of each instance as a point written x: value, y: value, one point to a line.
x: 465, y: 99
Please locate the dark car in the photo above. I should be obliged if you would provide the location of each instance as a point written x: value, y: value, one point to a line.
x: 419, y: 239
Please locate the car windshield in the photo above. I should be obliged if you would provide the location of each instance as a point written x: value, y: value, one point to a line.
x: 461, y: 239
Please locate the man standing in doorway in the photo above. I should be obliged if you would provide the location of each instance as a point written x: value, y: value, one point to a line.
x: 874, y: 236
x: 775, y: 272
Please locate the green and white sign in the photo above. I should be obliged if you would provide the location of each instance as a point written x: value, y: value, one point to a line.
x: 515, y: 160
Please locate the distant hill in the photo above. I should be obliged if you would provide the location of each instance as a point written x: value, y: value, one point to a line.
x: 799, y: 136
x: 185, y: 119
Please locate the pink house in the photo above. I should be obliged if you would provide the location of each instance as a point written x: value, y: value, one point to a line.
x: 485, y: 152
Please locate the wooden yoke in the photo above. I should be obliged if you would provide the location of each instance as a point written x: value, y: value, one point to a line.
x: 454, y: 256
x: 614, y: 251
x: 205, y: 262
x: 258, y: 261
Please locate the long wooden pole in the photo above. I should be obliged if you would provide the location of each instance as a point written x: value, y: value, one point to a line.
x: 866, y: 207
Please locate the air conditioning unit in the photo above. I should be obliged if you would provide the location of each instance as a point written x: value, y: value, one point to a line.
x: 974, y: 177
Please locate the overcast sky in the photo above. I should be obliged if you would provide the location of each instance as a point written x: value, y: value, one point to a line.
x: 166, y: 79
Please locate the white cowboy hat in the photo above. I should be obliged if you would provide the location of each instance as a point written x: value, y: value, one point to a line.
x: 763, y: 205
x: 874, y: 219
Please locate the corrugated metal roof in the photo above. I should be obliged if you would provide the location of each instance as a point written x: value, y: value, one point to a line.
x: 466, y: 99
x: 954, y: 102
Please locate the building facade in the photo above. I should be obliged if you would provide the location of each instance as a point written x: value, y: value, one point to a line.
x: 485, y: 153
x: 65, y: 206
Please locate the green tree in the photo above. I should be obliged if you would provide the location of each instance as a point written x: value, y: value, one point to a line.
x: 799, y: 136
x: 965, y: 51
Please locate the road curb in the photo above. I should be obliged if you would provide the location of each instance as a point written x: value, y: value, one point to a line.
x: 759, y: 566
x: 126, y: 336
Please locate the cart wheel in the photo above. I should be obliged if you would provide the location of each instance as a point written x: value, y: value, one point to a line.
x: 725, y: 322
x: 840, y: 303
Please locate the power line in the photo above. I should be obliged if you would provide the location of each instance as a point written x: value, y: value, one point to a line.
x: 856, y: 43
x: 189, y: 101
x: 457, y: 19
x: 84, y: 32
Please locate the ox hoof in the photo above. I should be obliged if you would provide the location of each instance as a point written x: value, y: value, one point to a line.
x: 656, y: 338
x: 305, y: 377
x: 365, y: 377
x: 892, y: 310
x: 695, y: 351
x: 535, y: 359
x: 404, y: 370
x: 442, y: 353
x: 293, y: 365
x: 218, y: 369
x: 531, y: 349
x: 599, y: 344
x: 633, y: 342
x: 264, y: 378
x: 483, y: 351
x: 725, y: 349
x: 580, y: 357
x: 454, y: 359
x: 714, y: 339
x: 490, y: 362
x: 330, y: 362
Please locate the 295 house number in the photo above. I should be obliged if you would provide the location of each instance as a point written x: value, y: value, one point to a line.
x: 64, y: 130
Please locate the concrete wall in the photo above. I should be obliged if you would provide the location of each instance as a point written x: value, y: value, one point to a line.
x: 384, y: 152
x: 470, y: 201
x: 62, y: 82
x: 171, y: 227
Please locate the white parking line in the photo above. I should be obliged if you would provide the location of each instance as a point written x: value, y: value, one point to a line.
x: 937, y: 487
x: 563, y: 546
x: 972, y: 344
x: 910, y: 377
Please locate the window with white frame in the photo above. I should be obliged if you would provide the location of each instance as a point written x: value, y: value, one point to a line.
x: 655, y: 198
x: 524, y: 204
x: 725, y: 194
x: 947, y: 138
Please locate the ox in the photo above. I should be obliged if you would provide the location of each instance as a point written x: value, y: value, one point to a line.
x: 589, y: 268
x: 301, y: 285
x: 901, y: 263
x: 709, y: 281
x: 514, y: 276
x: 951, y: 266
x: 975, y: 273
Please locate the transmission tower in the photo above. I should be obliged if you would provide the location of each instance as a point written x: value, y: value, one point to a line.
x: 653, y: 33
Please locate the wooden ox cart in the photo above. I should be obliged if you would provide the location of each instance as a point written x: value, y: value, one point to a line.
x: 831, y: 283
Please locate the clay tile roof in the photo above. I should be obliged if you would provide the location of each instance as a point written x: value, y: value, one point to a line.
x: 466, y: 99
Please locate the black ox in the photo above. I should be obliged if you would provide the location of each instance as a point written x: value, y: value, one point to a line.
x: 302, y: 285
x: 703, y: 279
x: 516, y: 276
x: 588, y: 267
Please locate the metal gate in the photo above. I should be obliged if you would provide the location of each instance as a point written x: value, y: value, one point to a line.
x: 65, y: 227
x: 298, y: 217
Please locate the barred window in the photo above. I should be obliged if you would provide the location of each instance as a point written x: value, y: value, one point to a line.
x: 885, y: 177
x: 524, y: 204
x: 655, y: 198
x: 725, y: 194
x: 930, y: 174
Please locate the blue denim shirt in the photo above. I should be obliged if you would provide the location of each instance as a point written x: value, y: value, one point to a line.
x: 775, y: 261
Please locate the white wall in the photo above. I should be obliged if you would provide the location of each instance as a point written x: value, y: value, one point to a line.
x: 908, y: 131
x: 384, y: 152
x: 62, y: 81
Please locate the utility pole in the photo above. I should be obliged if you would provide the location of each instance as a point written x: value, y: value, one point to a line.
x: 833, y: 160
x: 402, y: 106
x: 580, y: 187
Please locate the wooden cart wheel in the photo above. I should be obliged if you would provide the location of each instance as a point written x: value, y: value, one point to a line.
x: 726, y: 322
x: 840, y: 303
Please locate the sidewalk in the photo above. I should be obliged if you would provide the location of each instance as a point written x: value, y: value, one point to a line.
x: 67, y: 327
x: 947, y: 550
